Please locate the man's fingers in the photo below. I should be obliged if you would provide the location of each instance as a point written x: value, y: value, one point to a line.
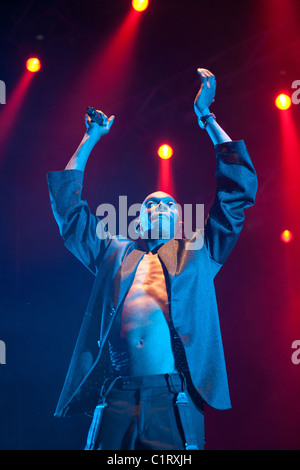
x: 212, y: 81
x: 110, y: 121
x: 87, y: 121
x: 202, y: 74
x: 207, y: 77
x: 205, y: 72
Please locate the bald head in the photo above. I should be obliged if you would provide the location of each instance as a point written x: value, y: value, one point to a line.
x: 159, y: 216
x: 159, y: 195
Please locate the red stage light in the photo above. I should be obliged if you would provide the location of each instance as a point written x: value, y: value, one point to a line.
x: 286, y: 236
x: 140, y: 5
x: 165, y: 151
x: 33, y: 64
x: 283, y: 101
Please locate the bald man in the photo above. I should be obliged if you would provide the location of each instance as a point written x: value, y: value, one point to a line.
x: 149, y: 354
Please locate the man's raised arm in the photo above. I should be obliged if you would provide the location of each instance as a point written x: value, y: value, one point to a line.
x: 235, y: 177
x: 83, y: 233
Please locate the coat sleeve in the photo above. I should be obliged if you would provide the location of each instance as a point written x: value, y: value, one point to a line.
x: 236, y: 190
x: 83, y: 233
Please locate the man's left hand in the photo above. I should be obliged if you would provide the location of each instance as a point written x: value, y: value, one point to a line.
x: 206, y: 93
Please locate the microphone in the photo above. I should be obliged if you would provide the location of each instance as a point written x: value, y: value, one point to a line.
x: 96, y: 116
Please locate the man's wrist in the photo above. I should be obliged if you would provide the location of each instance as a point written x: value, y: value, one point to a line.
x: 205, y: 120
x: 91, y: 139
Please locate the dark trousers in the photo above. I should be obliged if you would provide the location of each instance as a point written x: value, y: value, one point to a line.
x: 140, y: 413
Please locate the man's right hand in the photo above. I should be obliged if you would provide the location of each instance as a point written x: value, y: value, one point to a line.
x: 94, y: 130
x: 93, y: 134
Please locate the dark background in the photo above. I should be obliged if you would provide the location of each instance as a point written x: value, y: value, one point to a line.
x: 253, y: 49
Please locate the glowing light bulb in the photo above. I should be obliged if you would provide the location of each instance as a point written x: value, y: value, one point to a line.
x: 286, y: 236
x: 33, y: 64
x: 140, y: 5
x: 165, y: 151
x: 283, y: 101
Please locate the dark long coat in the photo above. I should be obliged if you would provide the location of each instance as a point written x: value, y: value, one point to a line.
x: 190, y: 273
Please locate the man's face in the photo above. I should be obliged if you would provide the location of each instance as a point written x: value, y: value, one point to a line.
x: 159, y: 217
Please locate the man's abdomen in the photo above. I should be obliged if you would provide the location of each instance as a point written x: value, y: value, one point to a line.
x: 144, y: 326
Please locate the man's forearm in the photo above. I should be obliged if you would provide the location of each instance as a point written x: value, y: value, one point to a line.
x: 81, y: 155
x: 216, y: 133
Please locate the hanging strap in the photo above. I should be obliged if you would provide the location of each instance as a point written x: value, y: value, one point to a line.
x: 186, y: 421
x: 95, y: 426
x: 97, y: 417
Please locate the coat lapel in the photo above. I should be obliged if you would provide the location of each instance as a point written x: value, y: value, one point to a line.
x: 127, y: 272
x: 167, y: 255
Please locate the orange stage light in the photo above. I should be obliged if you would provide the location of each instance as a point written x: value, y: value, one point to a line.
x: 286, y: 236
x: 283, y: 101
x: 33, y: 64
x: 140, y: 5
x: 165, y: 151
